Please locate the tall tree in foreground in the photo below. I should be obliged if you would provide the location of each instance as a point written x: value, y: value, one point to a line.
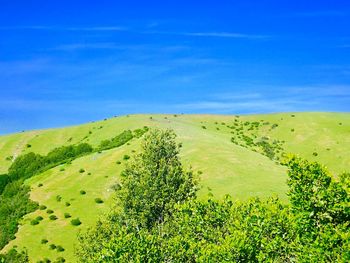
x: 154, y: 181
x: 152, y: 184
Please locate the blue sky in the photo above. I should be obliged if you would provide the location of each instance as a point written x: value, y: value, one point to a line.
x: 69, y: 62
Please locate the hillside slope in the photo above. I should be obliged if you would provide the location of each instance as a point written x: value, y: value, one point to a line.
x: 225, y: 167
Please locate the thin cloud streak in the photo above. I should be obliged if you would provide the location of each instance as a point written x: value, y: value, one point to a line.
x: 218, y: 34
x: 327, y: 13
x: 225, y: 35
x: 62, y: 28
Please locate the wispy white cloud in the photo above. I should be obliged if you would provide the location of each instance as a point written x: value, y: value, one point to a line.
x: 225, y: 35
x: 281, y: 99
x: 68, y: 28
x: 324, y: 13
x: 80, y: 46
x: 217, y: 34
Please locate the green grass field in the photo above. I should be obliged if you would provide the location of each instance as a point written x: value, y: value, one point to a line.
x: 224, y: 167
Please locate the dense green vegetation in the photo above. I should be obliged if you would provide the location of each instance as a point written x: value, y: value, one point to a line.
x: 14, y: 195
x: 14, y: 199
x: 240, y: 168
x: 313, y: 228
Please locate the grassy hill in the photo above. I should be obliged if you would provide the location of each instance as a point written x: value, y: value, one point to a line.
x: 226, y: 167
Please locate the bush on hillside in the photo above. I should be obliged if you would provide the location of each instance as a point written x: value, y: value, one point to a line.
x: 53, y: 217
x: 67, y: 215
x: 34, y: 222
x: 75, y: 222
x: 98, y: 200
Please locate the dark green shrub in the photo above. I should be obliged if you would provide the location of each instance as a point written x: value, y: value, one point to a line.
x: 58, y: 198
x: 118, y: 162
x: 81, y: 170
x: 42, y: 207
x: 117, y: 141
x: 67, y: 215
x: 44, y: 241
x: 53, y: 217
x: 98, y: 200
x: 52, y: 246
x: 9, y: 158
x: 34, y: 222
x: 39, y: 218
x: 82, y: 192
x: 75, y: 222
x: 40, y: 185
x: 49, y: 211
x: 126, y: 157
x: 67, y: 204
x: 315, y: 154
x: 60, y: 260
x: 60, y: 248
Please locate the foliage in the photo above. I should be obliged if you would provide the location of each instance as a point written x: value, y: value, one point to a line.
x: 14, y: 203
x: 313, y: 228
x: 98, y: 200
x: 13, y: 256
x: 117, y: 141
x: 154, y: 181
x: 75, y: 222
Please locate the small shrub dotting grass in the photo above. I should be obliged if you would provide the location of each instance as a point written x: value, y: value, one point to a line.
x: 60, y: 260
x: 42, y: 207
x: 44, y: 241
x: 39, y: 218
x: 34, y: 222
x: 118, y: 162
x: 82, y: 192
x: 45, y: 260
x: 67, y: 215
x: 81, y: 170
x: 75, y: 222
x: 58, y: 198
x: 60, y: 248
x: 98, y: 200
x: 40, y: 185
x: 67, y: 204
x: 53, y: 217
x: 126, y: 157
x: 52, y: 246
x: 49, y: 211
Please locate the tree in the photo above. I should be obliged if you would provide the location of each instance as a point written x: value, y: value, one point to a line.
x: 154, y: 181
x: 152, y: 184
